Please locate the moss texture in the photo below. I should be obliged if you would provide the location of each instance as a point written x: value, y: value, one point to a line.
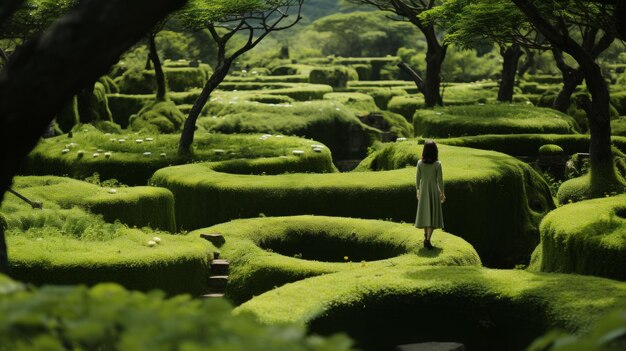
x: 159, y: 117
x: 529, y: 144
x: 177, y: 78
x: 123, y: 106
x: 129, y: 156
x: 491, y: 119
x: 477, y: 184
x: 482, y: 308
x: 551, y: 150
x: 64, y: 244
x: 329, y: 122
x: 335, y: 76
x: 584, y: 238
x: 268, y: 252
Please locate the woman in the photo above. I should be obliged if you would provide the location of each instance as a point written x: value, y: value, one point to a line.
x: 430, y: 192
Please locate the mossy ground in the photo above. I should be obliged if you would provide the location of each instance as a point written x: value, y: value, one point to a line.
x: 477, y: 184
x: 129, y: 164
x: 63, y: 243
x: 265, y: 253
x: 484, y: 309
x: 584, y: 238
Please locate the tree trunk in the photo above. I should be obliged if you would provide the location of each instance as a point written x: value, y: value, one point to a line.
x: 189, y: 129
x: 529, y: 62
x: 158, y: 68
x: 435, y: 55
x: 4, y: 259
x: 419, y: 82
x: 572, y: 78
x: 85, y: 106
x: 604, y: 178
x: 3, y: 55
x: 148, y: 63
x: 78, y: 49
x: 511, y: 57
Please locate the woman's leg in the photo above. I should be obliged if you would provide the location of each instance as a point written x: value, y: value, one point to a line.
x: 429, y: 233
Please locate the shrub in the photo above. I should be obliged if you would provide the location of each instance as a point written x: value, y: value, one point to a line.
x: 48, y: 157
x: 109, y: 317
x: 123, y: 106
x: 491, y: 309
x: 491, y: 119
x: 158, y: 117
x: 551, y: 150
x: 337, y: 76
x: 206, y: 195
x: 270, y: 252
x: 291, y: 69
x: 177, y: 79
x: 618, y: 99
x: 584, y: 238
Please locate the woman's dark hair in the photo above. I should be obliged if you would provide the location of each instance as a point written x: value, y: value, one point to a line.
x: 430, y: 153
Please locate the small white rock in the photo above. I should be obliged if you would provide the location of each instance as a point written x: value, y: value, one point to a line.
x: 317, y: 149
x: 156, y: 239
x: 218, y: 151
x: 95, y: 154
x: 439, y: 113
x: 139, y: 141
x: 162, y: 154
x: 113, y: 139
x: 99, y: 150
x: 112, y: 191
x: 297, y: 152
x: 401, y: 139
x: 80, y: 153
x: 151, y: 243
x: 107, y: 154
x: 147, y: 153
x: 148, y: 139
x: 317, y: 146
x: 64, y: 151
x: 121, y: 140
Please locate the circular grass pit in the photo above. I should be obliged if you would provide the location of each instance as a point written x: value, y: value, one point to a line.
x: 268, y: 252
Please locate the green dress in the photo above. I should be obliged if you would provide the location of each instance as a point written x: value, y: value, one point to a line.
x: 429, y: 183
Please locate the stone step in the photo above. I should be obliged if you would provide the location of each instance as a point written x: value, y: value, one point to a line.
x: 215, y: 238
x: 219, y: 267
x: 217, y: 283
x: 432, y: 346
x: 212, y: 296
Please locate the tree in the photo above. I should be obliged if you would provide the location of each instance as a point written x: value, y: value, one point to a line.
x: 411, y: 10
x: 52, y: 67
x: 224, y: 19
x: 153, y: 56
x: 554, y: 20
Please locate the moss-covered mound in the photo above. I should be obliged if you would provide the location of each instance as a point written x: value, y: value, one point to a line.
x: 64, y: 244
x: 335, y: 76
x: 582, y: 188
x: 482, y: 308
x: 529, y: 144
x: 158, y: 117
x: 296, y: 91
x: 133, y: 206
x: 491, y: 119
x: 478, y: 183
x: 133, y: 158
x: 268, y: 252
x: 112, y: 318
x: 329, y: 122
x: 588, y: 237
x: 177, y: 79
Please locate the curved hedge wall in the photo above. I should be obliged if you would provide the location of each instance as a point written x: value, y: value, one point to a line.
x: 491, y: 119
x: 268, y: 252
x: 49, y: 158
x: 529, y: 144
x: 584, y: 238
x: 141, y: 206
x: 478, y: 183
x: 482, y: 308
x: 64, y: 244
x: 108, y: 317
x: 329, y: 122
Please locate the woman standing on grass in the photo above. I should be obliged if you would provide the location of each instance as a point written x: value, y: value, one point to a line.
x: 430, y: 192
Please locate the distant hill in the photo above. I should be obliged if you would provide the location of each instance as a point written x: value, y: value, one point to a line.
x: 314, y: 9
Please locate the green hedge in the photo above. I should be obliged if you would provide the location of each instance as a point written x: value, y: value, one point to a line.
x: 551, y: 150
x: 107, y: 317
x: 64, y: 244
x: 134, y: 206
x: 128, y: 163
x: 335, y: 76
x: 159, y: 117
x: 177, y: 79
x: 291, y: 70
x: 270, y: 79
x: 298, y: 92
x: 491, y: 119
x: 481, y: 308
x: 529, y: 144
x: 477, y: 184
x: 269, y: 252
x: 123, y: 106
x: 331, y: 123
x: 584, y: 238
x: 618, y: 99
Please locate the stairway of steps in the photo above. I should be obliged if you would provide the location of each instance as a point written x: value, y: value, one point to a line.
x: 218, y: 271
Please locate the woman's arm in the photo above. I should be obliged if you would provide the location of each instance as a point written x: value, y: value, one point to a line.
x: 418, y: 179
x: 442, y: 193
